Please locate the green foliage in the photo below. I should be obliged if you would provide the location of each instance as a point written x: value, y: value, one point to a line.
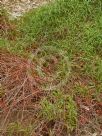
x: 98, y: 93
x: 18, y: 129
x: 54, y: 17
x: 74, y: 26
x: 60, y: 107
x: 83, y: 91
x: 94, y: 67
x: 3, y: 43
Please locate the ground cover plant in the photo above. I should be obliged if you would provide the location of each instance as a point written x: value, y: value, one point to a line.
x: 51, y: 70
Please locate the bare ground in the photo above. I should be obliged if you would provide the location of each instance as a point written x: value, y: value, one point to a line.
x: 18, y: 7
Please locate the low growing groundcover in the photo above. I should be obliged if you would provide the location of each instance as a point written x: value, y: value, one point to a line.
x: 51, y: 70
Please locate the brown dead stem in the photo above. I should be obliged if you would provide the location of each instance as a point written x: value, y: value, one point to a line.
x: 20, y: 90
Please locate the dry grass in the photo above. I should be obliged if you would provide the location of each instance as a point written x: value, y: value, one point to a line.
x: 19, y: 91
x: 20, y: 98
x: 31, y: 103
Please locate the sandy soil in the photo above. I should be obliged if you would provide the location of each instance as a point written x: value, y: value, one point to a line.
x: 17, y: 7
